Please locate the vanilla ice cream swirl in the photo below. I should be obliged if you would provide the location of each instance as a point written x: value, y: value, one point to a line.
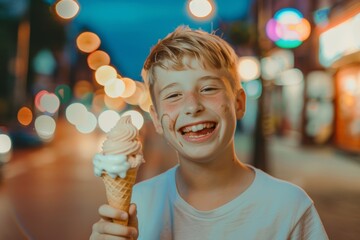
x: 122, y: 139
x: 122, y: 150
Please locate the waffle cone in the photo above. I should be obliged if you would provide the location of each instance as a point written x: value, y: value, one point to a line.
x: 119, y: 190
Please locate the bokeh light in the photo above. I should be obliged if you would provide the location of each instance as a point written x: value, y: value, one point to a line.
x: 98, y: 101
x: 82, y: 88
x: 37, y: 100
x: 248, y: 68
x: 88, y: 42
x: 138, y: 95
x: 117, y: 104
x: 130, y: 87
x: 44, y: 62
x: 136, y: 118
x: 97, y: 59
x: 45, y: 127
x: 88, y: 123
x: 25, y: 116
x: 270, y: 68
x: 114, y: 88
x: 200, y: 8
x: 63, y: 92
x: 5, y: 144
x: 284, y: 57
x: 50, y: 103
x: 67, y: 9
x: 290, y: 77
x: 319, y: 85
x: 104, y: 74
x: 288, y: 28
x: 253, y: 88
x: 75, y: 112
x: 107, y: 120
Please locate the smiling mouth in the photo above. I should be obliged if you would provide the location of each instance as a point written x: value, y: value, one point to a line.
x: 198, y: 130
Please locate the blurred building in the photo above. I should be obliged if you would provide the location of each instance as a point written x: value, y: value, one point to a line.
x: 339, y: 53
x: 314, y: 97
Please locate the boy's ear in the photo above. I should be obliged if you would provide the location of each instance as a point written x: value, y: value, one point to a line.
x: 156, y: 121
x: 240, y: 103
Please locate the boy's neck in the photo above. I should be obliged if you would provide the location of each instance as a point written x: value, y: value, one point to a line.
x: 209, y: 175
x: 209, y: 186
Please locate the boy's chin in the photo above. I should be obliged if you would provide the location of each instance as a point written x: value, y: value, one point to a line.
x: 196, y: 156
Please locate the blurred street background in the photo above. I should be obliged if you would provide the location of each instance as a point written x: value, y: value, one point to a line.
x: 69, y: 69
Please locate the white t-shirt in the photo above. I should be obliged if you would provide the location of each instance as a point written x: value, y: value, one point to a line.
x: 269, y: 209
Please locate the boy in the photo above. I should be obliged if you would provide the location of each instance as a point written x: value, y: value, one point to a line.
x: 197, y: 99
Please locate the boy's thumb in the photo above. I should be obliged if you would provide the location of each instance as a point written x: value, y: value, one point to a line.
x: 133, y: 221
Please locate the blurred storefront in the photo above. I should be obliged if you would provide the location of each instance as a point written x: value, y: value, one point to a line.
x: 339, y: 52
x: 315, y: 80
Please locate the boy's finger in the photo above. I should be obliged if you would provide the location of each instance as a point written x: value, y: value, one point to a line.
x: 133, y: 220
x: 114, y: 229
x: 108, y: 212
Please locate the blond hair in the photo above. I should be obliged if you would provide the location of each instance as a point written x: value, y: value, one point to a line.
x: 213, y: 53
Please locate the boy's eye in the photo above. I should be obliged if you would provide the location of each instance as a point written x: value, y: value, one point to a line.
x: 172, y: 96
x: 209, y: 89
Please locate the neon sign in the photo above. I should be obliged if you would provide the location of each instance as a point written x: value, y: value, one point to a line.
x: 288, y: 28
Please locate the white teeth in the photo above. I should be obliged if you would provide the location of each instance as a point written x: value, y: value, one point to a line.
x: 198, y: 127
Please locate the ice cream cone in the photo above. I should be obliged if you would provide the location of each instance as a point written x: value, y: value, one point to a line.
x: 118, y: 191
x: 118, y: 164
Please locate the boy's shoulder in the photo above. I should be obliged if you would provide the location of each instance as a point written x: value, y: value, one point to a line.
x: 280, y: 190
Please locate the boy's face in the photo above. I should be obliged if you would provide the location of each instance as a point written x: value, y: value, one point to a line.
x: 196, y: 111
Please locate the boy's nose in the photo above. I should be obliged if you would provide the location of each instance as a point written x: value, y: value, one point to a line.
x: 193, y: 105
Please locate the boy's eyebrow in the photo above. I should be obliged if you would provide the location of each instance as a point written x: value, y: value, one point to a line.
x: 203, y: 78
x: 168, y: 86
x: 209, y: 77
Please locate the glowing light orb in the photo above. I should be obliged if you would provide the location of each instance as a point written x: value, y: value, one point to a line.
x: 290, y: 77
x: 37, y: 99
x: 67, y: 9
x: 97, y: 59
x: 130, y: 87
x: 5, y: 144
x: 136, y: 118
x: 98, y: 102
x: 45, y: 127
x: 82, y: 88
x: 270, y: 68
x: 63, y: 92
x: 50, y: 103
x: 288, y: 28
x: 25, y: 116
x: 136, y: 98
x: 114, y: 88
x: 104, y: 74
x: 88, y: 42
x: 319, y: 85
x: 117, y: 104
x: 88, y: 123
x: 248, y: 68
x: 107, y: 120
x: 253, y: 88
x: 200, y: 8
x: 284, y: 57
x: 44, y: 62
x: 75, y: 112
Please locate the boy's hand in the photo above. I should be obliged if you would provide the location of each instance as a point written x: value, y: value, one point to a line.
x: 106, y: 229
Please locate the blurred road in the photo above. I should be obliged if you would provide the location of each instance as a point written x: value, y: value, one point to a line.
x: 50, y: 192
